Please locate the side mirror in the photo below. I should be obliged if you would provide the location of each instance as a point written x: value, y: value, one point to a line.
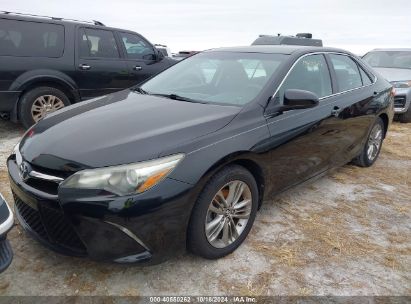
x: 299, y: 99
x: 152, y: 57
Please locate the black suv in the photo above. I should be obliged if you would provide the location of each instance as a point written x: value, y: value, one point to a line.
x: 47, y: 63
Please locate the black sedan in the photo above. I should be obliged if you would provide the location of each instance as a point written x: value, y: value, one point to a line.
x: 186, y: 159
x: 6, y: 223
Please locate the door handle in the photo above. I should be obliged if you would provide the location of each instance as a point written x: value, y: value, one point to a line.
x: 84, y: 66
x: 336, y: 111
x: 137, y: 68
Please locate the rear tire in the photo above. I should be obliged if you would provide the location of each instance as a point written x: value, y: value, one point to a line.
x: 233, y: 221
x: 406, y: 117
x: 38, y: 102
x: 372, y: 147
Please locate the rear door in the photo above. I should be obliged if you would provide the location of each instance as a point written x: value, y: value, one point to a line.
x: 354, y: 111
x: 101, y: 68
x: 141, y: 56
x: 27, y: 48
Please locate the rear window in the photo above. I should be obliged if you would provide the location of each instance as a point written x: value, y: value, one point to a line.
x: 31, y: 39
x: 366, y: 80
x: 346, y: 70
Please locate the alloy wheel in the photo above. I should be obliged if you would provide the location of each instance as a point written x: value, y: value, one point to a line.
x: 44, y: 105
x: 374, y: 142
x: 228, y: 214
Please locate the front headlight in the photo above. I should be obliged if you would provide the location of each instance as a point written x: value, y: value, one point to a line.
x: 401, y: 84
x: 125, y: 179
x: 16, y: 152
x: 16, y: 149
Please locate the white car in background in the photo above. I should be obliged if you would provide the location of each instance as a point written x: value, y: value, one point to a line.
x: 395, y: 66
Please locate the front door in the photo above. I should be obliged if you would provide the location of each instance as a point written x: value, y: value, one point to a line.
x: 100, y: 67
x: 142, y: 59
x: 304, y: 142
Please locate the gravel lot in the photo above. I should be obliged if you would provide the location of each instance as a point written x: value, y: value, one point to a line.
x: 348, y: 233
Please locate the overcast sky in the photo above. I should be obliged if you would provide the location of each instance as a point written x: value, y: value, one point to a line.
x: 356, y: 25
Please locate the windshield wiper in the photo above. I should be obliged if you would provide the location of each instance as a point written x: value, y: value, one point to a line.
x: 140, y: 90
x: 178, y: 97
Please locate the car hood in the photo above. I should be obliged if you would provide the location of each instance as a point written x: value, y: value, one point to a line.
x: 120, y: 128
x: 393, y: 74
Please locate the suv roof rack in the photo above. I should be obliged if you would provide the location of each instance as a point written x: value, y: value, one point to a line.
x: 95, y: 22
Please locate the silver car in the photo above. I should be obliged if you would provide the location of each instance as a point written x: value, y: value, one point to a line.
x: 395, y: 66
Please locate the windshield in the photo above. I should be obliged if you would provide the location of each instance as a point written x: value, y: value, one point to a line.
x: 389, y: 59
x: 217, y: 77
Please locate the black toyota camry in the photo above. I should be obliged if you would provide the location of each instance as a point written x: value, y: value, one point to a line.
x: 186, y: 159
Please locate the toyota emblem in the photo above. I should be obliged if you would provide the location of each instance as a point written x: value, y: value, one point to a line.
x: 24, y: 171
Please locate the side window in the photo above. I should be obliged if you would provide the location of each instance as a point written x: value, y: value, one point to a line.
x: 365, y: 78
x: 346, y: 70
x: 136, y: 47
x: 31, y: 39
x: 97, y: 43
x: 311, y: 74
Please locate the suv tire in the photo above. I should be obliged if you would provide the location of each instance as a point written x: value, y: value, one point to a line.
x: 234, y: 220
x: 406, y: 117
x: 33, y: 107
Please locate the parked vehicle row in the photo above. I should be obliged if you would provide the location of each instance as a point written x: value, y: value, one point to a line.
x: 184, y: 54
x: 185, y: 160
x: 49, y: 63
x: 176, y: 156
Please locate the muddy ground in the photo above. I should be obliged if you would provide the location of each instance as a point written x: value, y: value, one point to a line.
x: 348, y: 233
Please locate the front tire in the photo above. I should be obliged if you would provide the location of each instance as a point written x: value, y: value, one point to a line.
x: 406, y: 117
x: 38, y: 102
x: 224, y: 213
x: 372, y: 147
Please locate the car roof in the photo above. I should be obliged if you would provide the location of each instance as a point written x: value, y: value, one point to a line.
x: 63, y: 21
x: 279, y: 49
x: 49, y: 19
x: 392, y: 50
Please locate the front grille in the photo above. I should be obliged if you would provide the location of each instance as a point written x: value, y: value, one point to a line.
x: 31, y: 217
x: 60, y: 229
x: 399, y: 101
x: 43, y: 185
x: 51, y: 226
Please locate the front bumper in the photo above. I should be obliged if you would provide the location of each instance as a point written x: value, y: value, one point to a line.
x: 402, y: 100
x: 6, y: 223
x: 150, y: 226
